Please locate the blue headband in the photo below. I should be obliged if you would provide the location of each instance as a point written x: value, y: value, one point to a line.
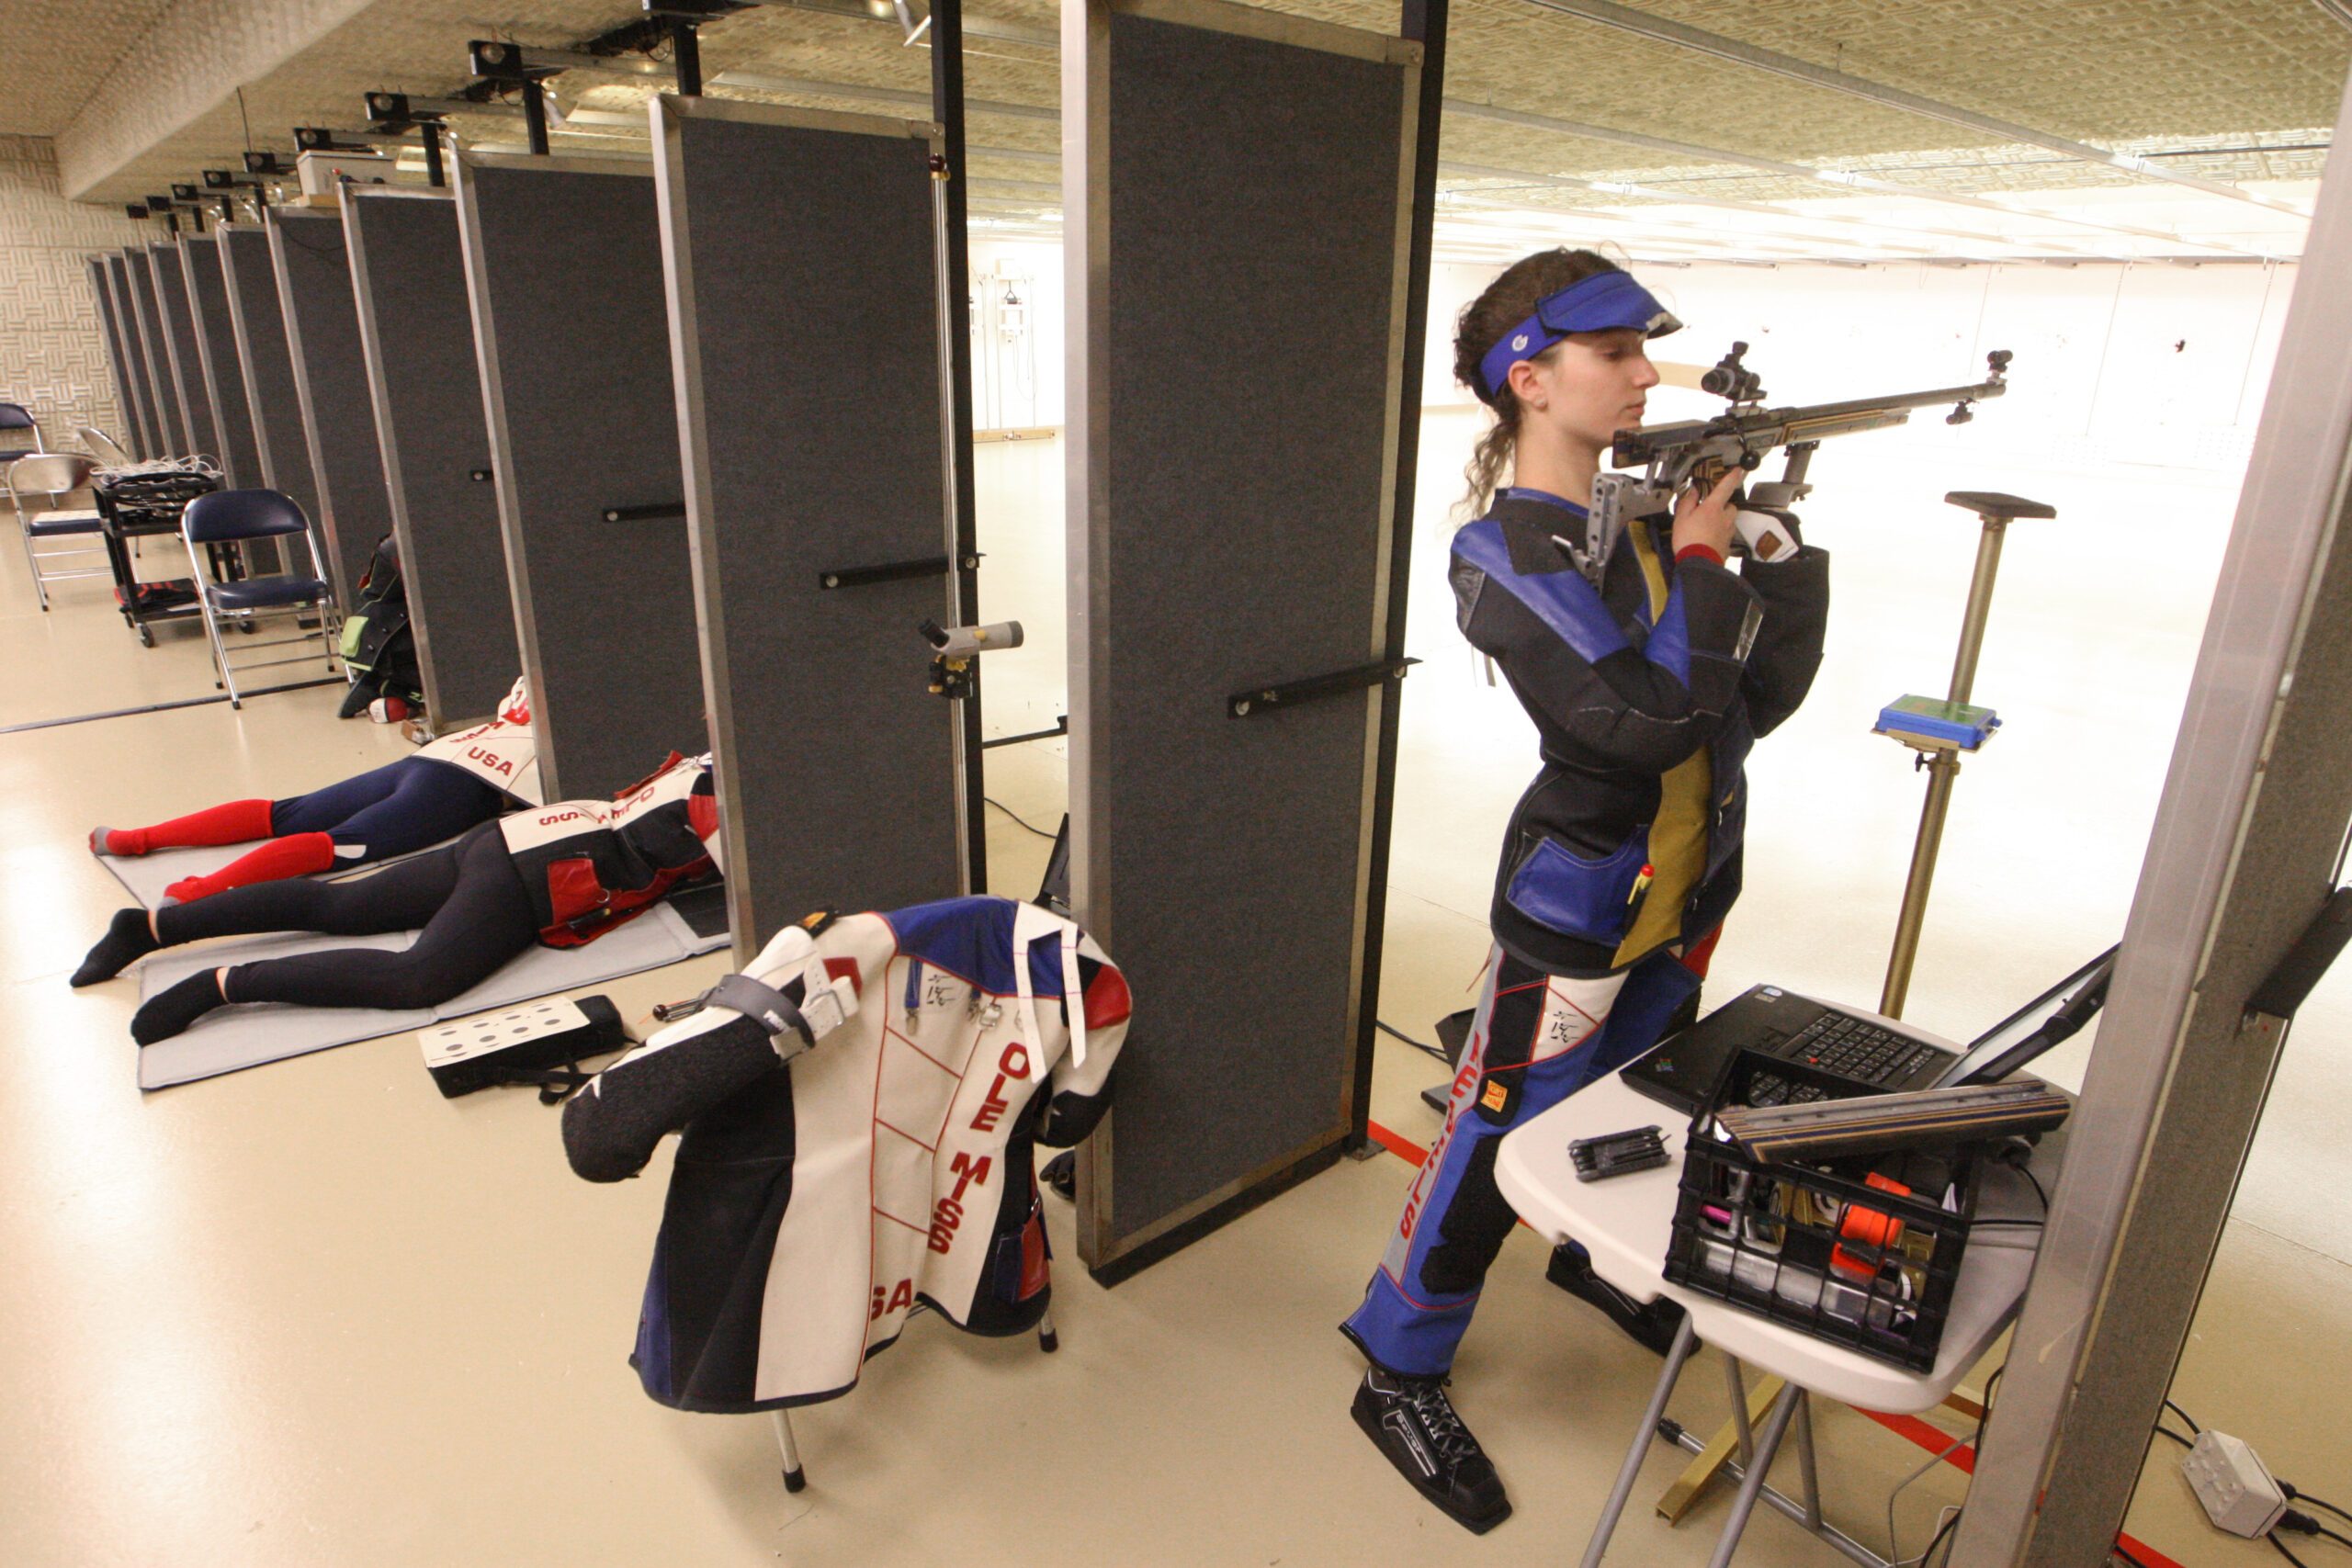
x: 1603, y: 302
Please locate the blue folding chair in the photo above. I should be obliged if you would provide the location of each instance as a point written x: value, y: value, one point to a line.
x: 228, y: 517
x: 15, y: 420
x: 56, y: 476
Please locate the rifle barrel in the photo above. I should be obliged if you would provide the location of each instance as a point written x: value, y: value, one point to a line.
x: 1782, y: 425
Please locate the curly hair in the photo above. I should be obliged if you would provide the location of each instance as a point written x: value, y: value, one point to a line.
x: 1507, y: 301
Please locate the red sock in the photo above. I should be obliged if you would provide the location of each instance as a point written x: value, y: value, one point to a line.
x: 233, y: 823
x: 297, y: 856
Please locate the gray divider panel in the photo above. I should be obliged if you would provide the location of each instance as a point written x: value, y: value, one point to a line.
x: 563, y: 269
x: 407, y: 272
x: 331, y: 384
x: 805, y: 294
x: 181, y: 359
x: 123, y: 337
x: 1237, y: 258
x: 139, y: 295
x: 276, y: 405
x: 216, y: 349
x: 117, y: 362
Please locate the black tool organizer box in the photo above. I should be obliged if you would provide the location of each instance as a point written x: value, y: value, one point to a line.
x: 136, y: 505
x: 1812, y: 1244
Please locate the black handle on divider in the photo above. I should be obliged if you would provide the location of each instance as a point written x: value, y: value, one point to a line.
x: 1338, y: 683
x: 889, y: 572
x: 644, y: 514
x: 480, y: 476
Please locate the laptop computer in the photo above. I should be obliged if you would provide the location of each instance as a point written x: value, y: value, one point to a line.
x: 1875, y: 1053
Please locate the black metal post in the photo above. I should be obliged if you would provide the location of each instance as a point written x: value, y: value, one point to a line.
x: 1422, y: 22
x: 947, y: 108
x: 429, y: 132
x: 535, y: 114
x: 685, y: 52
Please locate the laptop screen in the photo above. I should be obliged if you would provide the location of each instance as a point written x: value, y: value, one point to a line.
x: 2028, y: 1032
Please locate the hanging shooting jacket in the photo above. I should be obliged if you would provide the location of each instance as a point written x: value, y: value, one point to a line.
x: 858, y: 1138
x: 503, y: 752
x: 590, y: 865
x: 1648, y: 694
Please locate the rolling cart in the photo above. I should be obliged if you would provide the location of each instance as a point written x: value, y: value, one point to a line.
x: 138, y: 505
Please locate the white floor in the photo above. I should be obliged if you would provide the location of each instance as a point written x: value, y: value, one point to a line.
x: 314, y: 1313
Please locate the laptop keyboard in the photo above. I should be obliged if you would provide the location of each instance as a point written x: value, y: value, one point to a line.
x: 1856, y: 1048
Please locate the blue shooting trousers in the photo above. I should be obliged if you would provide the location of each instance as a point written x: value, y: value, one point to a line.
x: 1537, y: 1038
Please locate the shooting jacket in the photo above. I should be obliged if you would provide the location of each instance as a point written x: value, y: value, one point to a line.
x: 834, y: 1171
x: 1646, y: 693
x: 502, y: 753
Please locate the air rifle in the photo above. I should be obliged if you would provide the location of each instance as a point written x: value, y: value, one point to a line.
x: 1664, y: 460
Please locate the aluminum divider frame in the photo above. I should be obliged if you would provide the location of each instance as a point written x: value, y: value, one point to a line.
x: 408, y: 279
x: 809, y: 242
x: 216, y: 351
x: 1212, y: 552
x: 614, y: 684
x: 2248, y: 840
x: 178, y: 324
x: 314, y: 268
x: 273, y: 403
x: 138, y: 294
x: 110, y: 326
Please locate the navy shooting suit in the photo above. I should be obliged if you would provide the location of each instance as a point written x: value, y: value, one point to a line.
x: 1621, y: 860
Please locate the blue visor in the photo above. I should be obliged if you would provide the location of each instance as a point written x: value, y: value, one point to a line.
x: 1606, y: 302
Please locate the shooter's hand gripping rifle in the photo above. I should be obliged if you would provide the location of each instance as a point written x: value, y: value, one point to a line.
x: 1669, y: 457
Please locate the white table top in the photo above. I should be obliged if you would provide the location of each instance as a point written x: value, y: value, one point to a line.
x: 1624, y: 1222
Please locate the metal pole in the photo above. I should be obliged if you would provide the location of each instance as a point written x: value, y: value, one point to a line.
x: 949, y: 196
x: 1739, y: 1408
x: 1806, y: 1466
x: 1980, y: 607
x: 1751, y: 1485
x: 795, y: 1478
x: 535, y: 114
x: 1943, y: 767
x: 1422, y: 22
x: 1686, y: 1339
x: 430, y: 131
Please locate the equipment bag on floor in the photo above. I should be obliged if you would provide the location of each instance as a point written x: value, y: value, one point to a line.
x: 379, y: 647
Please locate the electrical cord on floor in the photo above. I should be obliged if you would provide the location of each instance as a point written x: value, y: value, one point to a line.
x: 2195, y: 1430
x: 2316, y: 1502
x: 2280, y: 1548
x: 1421, y: 1045
x: 1017, y: 817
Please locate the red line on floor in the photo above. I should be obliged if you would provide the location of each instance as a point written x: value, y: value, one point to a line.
x: 1962, y: 1458
x: 1402, y: 1147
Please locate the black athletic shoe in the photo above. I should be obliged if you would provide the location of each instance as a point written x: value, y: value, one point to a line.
x: 1413, y: 1423
x: 1651, y: 1325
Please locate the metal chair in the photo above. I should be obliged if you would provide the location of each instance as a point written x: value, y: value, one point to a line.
x: 56, y: 476
x: 109, y: 451
x: 15, y: 417
x: 226, y: 517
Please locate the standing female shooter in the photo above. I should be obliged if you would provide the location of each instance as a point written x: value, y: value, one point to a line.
x: 1623, y: 856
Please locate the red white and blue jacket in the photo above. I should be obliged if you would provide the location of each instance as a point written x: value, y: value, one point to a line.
x: 503, y: 752
x: 822, y: 1188
x: 591, y: 864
